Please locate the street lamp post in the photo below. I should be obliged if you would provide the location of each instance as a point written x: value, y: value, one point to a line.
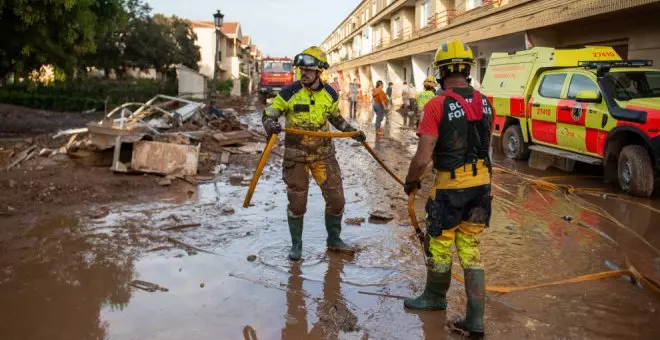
x: 217, y: 20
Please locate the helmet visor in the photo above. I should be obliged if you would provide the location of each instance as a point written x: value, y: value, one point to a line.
x: 306, y: 61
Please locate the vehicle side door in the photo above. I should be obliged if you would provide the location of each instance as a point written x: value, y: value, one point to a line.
x: 588, y: 119
x: 544, y: 104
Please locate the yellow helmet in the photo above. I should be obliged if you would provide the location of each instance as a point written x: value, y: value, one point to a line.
x: 453, y: 56
x: 311, y: 58
x: 430, y: 82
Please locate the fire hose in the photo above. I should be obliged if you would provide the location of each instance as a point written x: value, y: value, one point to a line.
x: 272, y: 140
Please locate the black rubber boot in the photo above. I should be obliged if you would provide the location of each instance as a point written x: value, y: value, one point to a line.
x: 296, y: 229
x: 434, y: 296
x: 472, y: 325
x: 334, y: 242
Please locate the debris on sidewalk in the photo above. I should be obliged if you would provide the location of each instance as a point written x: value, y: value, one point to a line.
x: 381, y: 215
x: 23, y: 156
x: 165, y: 158
x: 166, y: 137
x: 147, y: 286
x: 354, y: 221
x: 181, y: 227
x: 233, y: 137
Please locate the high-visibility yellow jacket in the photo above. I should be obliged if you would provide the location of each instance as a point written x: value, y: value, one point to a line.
x: 424, y: 97
x: 308, y: 109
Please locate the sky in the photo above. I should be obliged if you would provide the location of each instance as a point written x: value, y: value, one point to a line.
x: 279, y: 27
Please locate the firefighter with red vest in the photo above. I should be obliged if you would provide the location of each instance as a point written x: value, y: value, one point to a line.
x: 455, y: 135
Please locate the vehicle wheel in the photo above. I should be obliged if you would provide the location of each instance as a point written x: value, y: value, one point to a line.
x: 513, y: 144
x: 635, y: 171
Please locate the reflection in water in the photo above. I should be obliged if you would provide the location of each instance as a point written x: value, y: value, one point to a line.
x: 433, y: 324
x: 333, y: 314
x: 56, y: 281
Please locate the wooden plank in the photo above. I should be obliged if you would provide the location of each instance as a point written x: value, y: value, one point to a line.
x: 224, y: 158
x: 233, y: 137
x: 22, y: 156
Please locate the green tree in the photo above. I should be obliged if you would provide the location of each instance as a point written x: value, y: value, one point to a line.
x: 161, y: 42
x: 56, y: 32
x: 187, y: 52
x: 112, y: 42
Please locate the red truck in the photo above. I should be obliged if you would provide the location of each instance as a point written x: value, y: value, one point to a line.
x: 276, y: 73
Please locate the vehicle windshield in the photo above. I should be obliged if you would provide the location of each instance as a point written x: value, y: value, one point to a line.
x: 277, y: 66
x: 635, y: 85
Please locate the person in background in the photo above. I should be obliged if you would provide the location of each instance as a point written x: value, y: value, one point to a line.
x: 389, y: 93
x: 424, y: 97
x: 380, y: 105
x: 412, y: 98
x: 335, y: 85
x: 354, y: 89
x: 405, y: 96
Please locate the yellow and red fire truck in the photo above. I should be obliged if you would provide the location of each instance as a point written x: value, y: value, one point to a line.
x: 585, y: 105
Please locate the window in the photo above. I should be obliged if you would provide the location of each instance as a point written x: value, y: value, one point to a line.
x: 396, y: 28
x: 276, y: 66
x: 472, y: 4
x: 424, y: 13
x: 374, y: 8
x: 364, y: 17
x: 389, y: 2
x: 634, y: 85
x: 551, y: 85
x: 580, y: 83
x: 377, y: 37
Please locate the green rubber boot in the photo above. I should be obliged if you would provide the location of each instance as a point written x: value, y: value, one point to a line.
x: 334, y: 242
x: 296, y: 229
x: 434, y: 296
x: 475, y: 289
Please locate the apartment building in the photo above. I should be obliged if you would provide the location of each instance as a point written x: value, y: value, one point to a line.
x: 235, y: 50
x: 395, y: 40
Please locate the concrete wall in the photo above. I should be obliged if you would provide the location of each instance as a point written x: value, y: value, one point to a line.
x: 367, y: 38
x: 407, y: 69
x: 379, y: 72
x: 634, y: 39
x: 365, y: 79
x: 395, y: 75
x: 407, y: 16
x: 143, y: 73
x: 206, y: 42
x: 384, y: 28
x: 191, y: 82
x: 422, y: 66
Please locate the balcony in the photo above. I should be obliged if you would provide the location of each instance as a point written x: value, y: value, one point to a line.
x: 436, y: 21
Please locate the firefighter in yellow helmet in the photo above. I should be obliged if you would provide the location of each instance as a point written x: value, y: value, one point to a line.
x: 425, y: 96
x: 455, y: 136
x: 310, y: 104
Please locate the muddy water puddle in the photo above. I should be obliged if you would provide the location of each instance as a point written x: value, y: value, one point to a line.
x: 67, y: 277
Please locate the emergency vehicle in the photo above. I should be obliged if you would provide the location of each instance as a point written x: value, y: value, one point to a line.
x: 585, y: 105
x: 276, y: 73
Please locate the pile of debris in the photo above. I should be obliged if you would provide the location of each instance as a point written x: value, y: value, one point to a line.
x: 167, y: 135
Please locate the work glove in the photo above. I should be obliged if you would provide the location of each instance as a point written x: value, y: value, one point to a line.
x: 411, y: 185
x: 361, y: 137
x: 272, y: 127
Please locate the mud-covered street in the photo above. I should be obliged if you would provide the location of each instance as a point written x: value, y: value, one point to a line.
x: 222, y: 271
